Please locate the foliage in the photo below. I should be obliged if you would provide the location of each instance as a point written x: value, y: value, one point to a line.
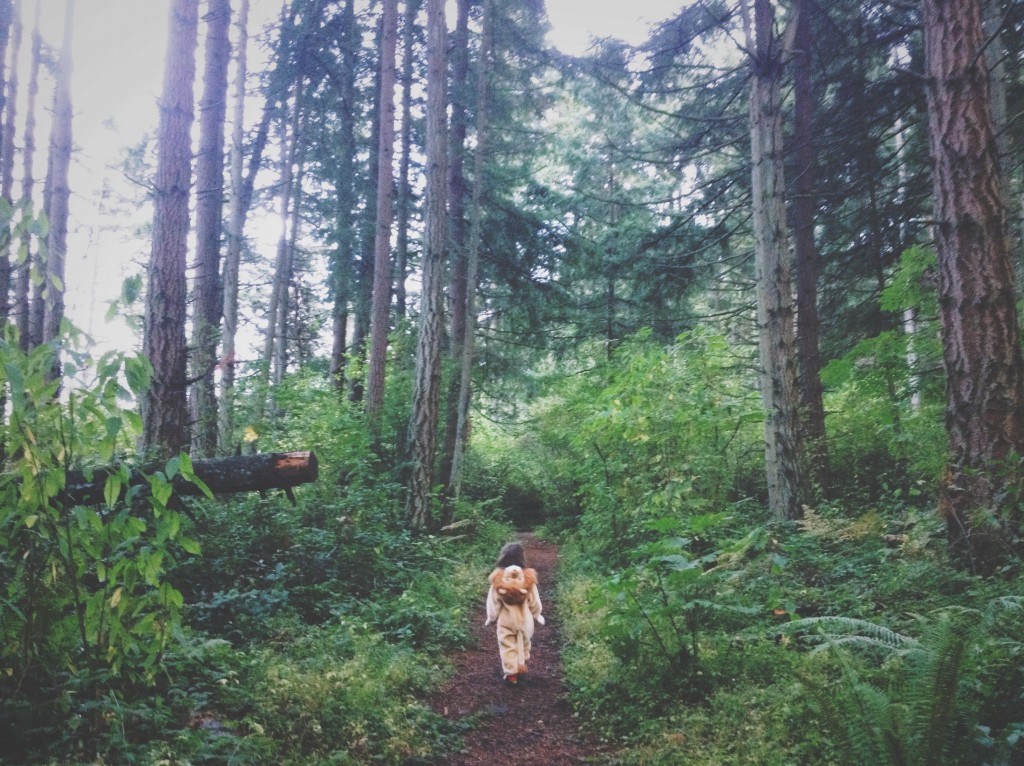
x: 302, y: 633
x: 86, y: 594
x: 655, y: 432
x: 343, y: 695
x: 885, y: 400
x: 918, y: 710
x: 789, y: 658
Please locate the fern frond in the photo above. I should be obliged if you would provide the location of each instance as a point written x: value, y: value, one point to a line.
x: 854, y: 716
x: 836, y: 630
x: 933, y: 685
x: 863, y: 642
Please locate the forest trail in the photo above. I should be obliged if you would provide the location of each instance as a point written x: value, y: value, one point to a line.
x: 530, y: 724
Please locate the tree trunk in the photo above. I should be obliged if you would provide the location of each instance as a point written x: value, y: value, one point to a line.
x: 209, y: 303
x: 165, y: 408
x: 771, y: 258
x: 981, y: 344
x: 241, y: 199
x: 379, y: 324
x: 427, y: 383
x: 473, y: 253
x: 364, y: 269
x: 284, y: 348
x: 58, y: 190
x: 459, y: 287
x: 341, y: 276
x: 226, y: 475
x: 235, y: 237
x: 278, y: 303
x: 7, y: 15
x: 812, y: 407
x: 10, y: 21
x: 404, y: 189
x: 29, y: 332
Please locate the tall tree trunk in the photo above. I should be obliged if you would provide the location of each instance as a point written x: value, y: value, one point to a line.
x: 364, y: 269
x: 473, y: 252
x: 278, y: 303
x: 427, y: 383
x: 165, y: 407
x: 458, y: 289
x: 29, y: 335
x: 7, y: 151
x: 379, y: 324
x: 981, y: 343
x: 7, y: 15
x: 241, y: 196
x: 812, y: 406
x: 58, y: 190
x: 341, y: 277
x: 909, y: 317
x: 284, y: 348
x: 404, y: 204
x: 235, y: 237
x: 771, y: 256
x: 209, y: 302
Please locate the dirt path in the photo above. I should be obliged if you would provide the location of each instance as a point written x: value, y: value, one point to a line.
x: 530, y: 724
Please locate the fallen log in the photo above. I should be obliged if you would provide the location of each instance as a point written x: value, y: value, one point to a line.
x: 224, y: 475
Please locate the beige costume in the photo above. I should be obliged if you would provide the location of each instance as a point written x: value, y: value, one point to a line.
x: 513, y: 602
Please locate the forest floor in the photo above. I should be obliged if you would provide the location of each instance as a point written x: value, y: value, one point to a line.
x: 532, y: 723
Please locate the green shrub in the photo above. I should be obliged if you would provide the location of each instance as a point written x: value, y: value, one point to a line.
x: 339, y: 694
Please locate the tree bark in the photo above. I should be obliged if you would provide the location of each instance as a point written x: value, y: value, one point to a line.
x: 473, y: 252
x: 11, y: 19
x: 363, y: 294
x: 165, y: 407
x: 29, y: 331
x: 235, y: 237
x: 284, y: 348
x: 459, y: 285
x: 404, y: 203
x: 278, y: 303
x: 981, y: 344
x: 812, y: 407
x: 209, y: 302
x: 341, y: 276
x: 379, y: 324
x: 771, y: 258
x: 427, y: 383
x: 58, y: 190
x: 226, y: 475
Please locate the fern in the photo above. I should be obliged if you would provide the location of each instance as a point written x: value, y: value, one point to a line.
x: 911, y: 725
x: 838, y: 631
x: 933, y: 683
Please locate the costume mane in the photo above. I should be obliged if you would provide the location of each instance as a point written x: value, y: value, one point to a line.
x: 513, y: 584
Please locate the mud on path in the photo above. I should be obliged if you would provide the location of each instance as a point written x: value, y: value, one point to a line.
x: 530, y: 724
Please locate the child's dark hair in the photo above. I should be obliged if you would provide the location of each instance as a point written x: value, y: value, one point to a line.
x: 512, y: 554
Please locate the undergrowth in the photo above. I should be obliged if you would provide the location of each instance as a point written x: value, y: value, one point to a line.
x: 306, y: 633
x: 701, y: 631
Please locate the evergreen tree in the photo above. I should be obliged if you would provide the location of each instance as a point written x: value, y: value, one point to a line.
x: 981, y: 340
x: 165, y: 410
x: 379, y: 322
x: 426, y: 392
x: 208, y: 300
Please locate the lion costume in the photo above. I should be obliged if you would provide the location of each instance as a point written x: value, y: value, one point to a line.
x: 513, y: 602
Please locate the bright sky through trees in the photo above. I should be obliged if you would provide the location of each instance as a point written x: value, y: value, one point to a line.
x: 119, y: 51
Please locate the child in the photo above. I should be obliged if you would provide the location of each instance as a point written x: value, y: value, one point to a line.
x: 513, y: 602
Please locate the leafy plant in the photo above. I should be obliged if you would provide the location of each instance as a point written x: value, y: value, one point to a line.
x: 912, y: 718
x: 85, y: 590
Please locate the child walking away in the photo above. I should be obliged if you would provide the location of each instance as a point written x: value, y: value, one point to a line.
x: 513, y: 602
